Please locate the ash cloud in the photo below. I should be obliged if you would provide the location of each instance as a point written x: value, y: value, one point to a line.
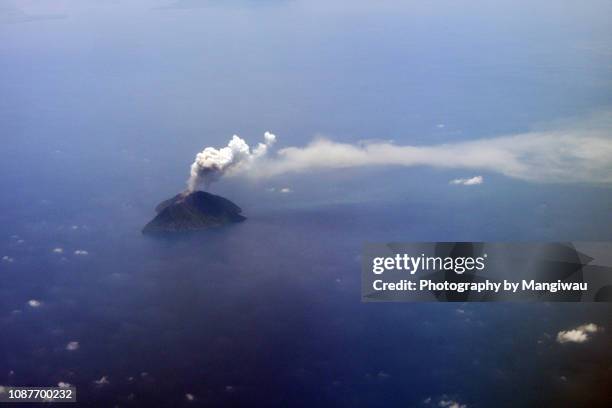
x: 574, y: 155
x: 212, y: 163
x: 537, y: 157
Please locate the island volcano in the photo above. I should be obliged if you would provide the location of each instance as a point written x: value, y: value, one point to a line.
x: 193, y: 211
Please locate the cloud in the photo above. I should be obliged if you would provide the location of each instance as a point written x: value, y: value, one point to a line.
x: 285, y: 190
x: 34, y: 303
x: 189, y: 397
x: 8, y: 259
x: 450, y: 404
x: 63, y: 384
x: 102, y: 381
x: 72, y: 346
x: 443, y: 401
x: 468, y: 181
x: 58, y: 250
x: 580, y: 334
x: 81, y: 252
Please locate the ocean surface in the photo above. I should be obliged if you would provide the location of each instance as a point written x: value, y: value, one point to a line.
x: 266, y: 312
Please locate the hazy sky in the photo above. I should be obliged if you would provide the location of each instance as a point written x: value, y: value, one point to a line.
x: 145, y: 85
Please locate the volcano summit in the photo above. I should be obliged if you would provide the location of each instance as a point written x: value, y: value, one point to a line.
x: 192, y: 212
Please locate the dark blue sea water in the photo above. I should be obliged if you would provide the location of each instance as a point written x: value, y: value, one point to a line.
x: 103, y: 110
x: 266, y: 313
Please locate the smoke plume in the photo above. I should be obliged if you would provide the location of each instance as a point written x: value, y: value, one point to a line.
x: 211, y: 163
x: 574, y: 155
x: 540, y: 157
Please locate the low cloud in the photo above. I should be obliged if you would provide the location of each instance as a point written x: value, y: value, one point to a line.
x: 580, y: 334
x: 468, y: 181
x: 102, y: 381
x: 81, y: 252
x: 72, y: 346
x: 450, y: 404
x: 443, y: 402
x: 34, y: 303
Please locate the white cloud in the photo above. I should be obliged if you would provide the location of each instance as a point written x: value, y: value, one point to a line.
x: 81, y: 252
x: 34, y: 303
x: 102, y: 381
x: 8, y: 259
x: 72, y: 346
x: 450, y: 404
x: 443, y: 401
x: 580, y: 334
x: 58, y: 250
x: 468, y: 181
x: 285, y: 190
x: 189, y: 397
x: 63, y: 384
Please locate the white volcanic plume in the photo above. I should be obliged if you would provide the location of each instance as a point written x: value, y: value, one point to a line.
x: 211, y: 163
x: 579, y: 154
x: 557, y: 157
